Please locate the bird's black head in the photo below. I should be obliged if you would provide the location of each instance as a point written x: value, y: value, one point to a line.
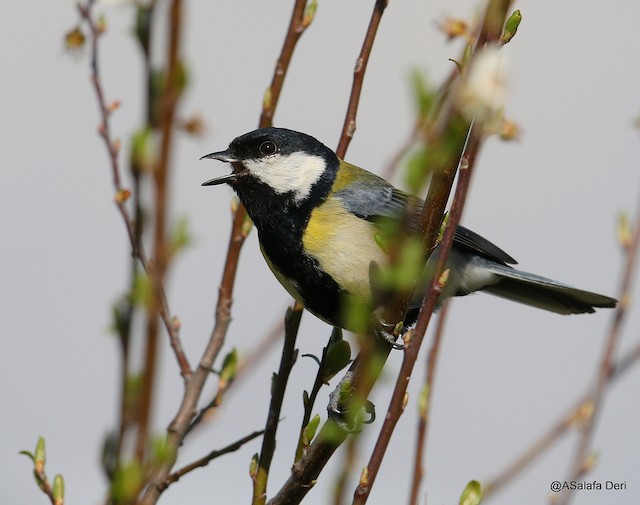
x: 278, y: 161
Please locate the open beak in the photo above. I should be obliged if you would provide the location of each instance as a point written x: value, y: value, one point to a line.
x: 228, y: 157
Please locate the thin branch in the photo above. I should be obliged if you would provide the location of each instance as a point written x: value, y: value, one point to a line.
x: 44, y: 485
x: 579, y: 467
x: 168, y: 103
x: 289, y: 356
x: 396, y: 406
x: 204, y: 461
x: 425, y: 410
x: 441, y: 183
x: 349, y: 127
x: 306, y: 470
x: 239, y: 230
x: 297, y: 26
x: 571, y: 419
x: 346, y: 470
x: 113, y: 149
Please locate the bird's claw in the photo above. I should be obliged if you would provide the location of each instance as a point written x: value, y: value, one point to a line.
x: 341, y: 409
x: 388, y: 332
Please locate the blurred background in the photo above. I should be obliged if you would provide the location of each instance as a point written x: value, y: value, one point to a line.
x: 506, y: 371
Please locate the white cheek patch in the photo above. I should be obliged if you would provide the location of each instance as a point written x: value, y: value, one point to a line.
x: 296, y: 172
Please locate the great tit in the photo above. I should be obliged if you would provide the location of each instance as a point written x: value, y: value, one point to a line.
x: 318, y: 218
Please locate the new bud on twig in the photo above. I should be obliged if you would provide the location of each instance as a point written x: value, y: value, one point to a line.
x: 74, y: 40
x: 58, y: 490
x: 364, y: 478
x: 423, y: 402
x: 453, y: 28
x: 509, y: 130
x: 590, y: 462
x: 40, y: 456
x: 625, y: 235
x: 122, y: 195
x: 472, y: 494
x: 309, y: 13
x: 510, y: 27
x: 253, y: 466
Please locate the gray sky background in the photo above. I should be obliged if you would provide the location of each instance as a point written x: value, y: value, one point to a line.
x: 506, y: 371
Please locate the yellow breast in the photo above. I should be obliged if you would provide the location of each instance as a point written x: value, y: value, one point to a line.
x: 344, y: 245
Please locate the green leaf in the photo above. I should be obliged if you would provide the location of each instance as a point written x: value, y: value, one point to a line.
x: 180, y: 236
x: 472, y: 494
x: 142, y: 290
x: 143, y: 25
x: 310, y: 430
x: 28, y: 455
x: 121, y: 318
x: 357, y: 314
x: 336, y: 335
x: 143, y: 151
x: 182, y: 77
x: 417, y: 170
x: 161, y: 452
x: 253, y: 466
x: 229, y: 367
x: 338, y: 356
x: 127, y: 482
x: 423, y: 93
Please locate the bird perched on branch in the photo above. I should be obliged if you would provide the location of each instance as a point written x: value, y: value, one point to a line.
x: 319, y: 221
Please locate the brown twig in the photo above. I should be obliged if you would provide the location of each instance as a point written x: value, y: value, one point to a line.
x: 187, y: 410
x: 44, y: 485
x: 307, y: 469
x: 346, y: 470
x: 571, y: 419
x: 315, y: 457
x: 289, y: 356
x: 490, y: 31
x: 113, y: 149
x: 297, y: 25
x: 425, y: 409
x: 204, y: 461
x: 168, y: 103
x: 349, y: 127
x: 397, y: 403
x: 579, y: 466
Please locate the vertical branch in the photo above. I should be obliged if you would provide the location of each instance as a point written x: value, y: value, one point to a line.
x: 297, y: 25
x: 430, y: 219
x: 240, y: 228
x: 425, y: 406
x: 579, y: 465
x: 292, y: 323
x: 569, y: 420
x: 121, y: 193
x: 168, y: 104
x: 349, y: 127
x: 396, y: 406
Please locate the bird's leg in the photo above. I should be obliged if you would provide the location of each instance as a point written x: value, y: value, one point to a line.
x: 387, y: 332
x: 344, y: 406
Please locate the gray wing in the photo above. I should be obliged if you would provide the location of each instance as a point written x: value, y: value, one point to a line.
x: 375, y: 200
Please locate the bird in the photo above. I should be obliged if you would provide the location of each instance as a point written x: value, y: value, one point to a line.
x: 319, y: 220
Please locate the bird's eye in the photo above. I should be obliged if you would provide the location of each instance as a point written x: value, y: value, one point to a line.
x: 268, y: 147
